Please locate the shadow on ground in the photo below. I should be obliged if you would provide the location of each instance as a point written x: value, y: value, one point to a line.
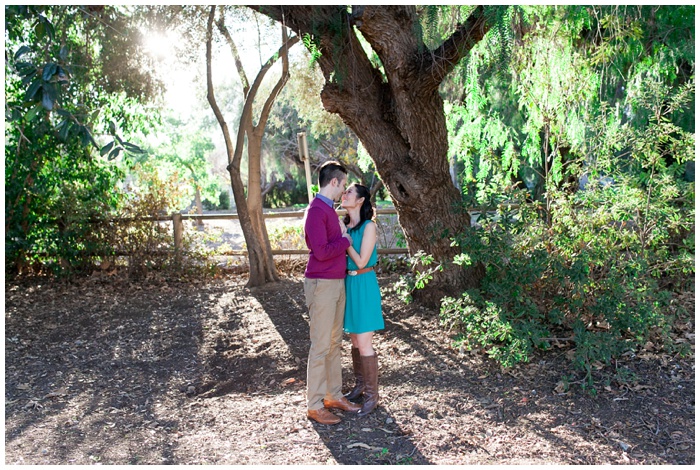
x: 214, y: 373
x: 374, y: 439
x: 470, y: 407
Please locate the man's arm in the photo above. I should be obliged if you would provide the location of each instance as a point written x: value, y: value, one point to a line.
x: 317, y: 238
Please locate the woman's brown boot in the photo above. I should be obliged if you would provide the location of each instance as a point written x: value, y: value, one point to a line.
x: 369, y: 368
x: 355, y: 394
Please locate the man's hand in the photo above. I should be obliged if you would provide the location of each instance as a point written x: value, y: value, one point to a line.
x: 344, y: 231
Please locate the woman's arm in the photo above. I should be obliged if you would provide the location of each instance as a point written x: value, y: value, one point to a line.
x: 369, y: 239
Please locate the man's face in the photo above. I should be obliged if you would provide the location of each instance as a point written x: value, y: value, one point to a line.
x: 340, y: 188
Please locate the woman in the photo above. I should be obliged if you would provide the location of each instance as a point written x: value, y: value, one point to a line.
x: 363, y: 309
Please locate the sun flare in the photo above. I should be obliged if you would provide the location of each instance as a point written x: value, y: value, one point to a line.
x: 159, y: 45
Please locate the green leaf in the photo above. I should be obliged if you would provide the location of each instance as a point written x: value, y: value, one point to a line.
x: 25, y: 68
x: 44, y: 28
x: 49, y: 71
x: 33, y: 89
x: 104, y: 150
x: 65, y: 128
x: 115, y: 152
x: 21, y: 51
x: 33, y: 111
x: 51, y: 89
x: 46, y: 100
x: 129, y: 147
x: 40, y: 30
x: 27, y: 79
x: 50, y: 31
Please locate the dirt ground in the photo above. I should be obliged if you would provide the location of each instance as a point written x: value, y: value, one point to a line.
x: 105, y: 371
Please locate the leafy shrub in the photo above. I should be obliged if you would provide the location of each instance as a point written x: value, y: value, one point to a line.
x: 603, y: 237
x: 581, y: 279
x: 147, y: 243
x: 595, y: 267
x: 286, y: 193
x: 422, y: 268
x: 224, y: 202
x: 53, y: 204
x: 287, y: 237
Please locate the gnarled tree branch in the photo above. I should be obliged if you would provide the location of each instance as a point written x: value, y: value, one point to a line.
x: 444, y: 59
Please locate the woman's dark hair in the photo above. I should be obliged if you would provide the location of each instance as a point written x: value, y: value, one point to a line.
x: 366, y: 211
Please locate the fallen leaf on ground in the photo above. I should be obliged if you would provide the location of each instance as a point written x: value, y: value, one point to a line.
x: 358, y: 444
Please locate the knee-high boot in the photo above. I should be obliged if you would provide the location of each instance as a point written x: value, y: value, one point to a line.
x: 356, y: 393
x: 370, y: 370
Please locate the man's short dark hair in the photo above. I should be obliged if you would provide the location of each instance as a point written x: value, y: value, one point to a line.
x: 329, y: 170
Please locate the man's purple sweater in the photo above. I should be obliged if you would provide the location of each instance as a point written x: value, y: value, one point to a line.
x: 326, y: 242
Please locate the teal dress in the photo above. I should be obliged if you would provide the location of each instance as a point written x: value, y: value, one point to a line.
x: 363, y: 301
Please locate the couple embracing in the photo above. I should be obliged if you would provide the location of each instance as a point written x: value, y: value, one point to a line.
x: 342, y: 293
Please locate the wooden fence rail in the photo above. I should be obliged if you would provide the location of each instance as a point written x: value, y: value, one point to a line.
x: 178, y: 228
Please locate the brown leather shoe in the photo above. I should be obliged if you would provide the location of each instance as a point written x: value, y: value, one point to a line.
x: 342, y: 404
x: 322, y: 416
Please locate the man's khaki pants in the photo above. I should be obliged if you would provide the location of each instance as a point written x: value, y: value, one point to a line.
x: 325, y: 299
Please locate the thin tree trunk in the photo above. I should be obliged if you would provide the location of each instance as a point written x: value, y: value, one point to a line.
x: 254, y: 247
x: 256, y: 205
x: 262, y: 266
x: 198, y: 204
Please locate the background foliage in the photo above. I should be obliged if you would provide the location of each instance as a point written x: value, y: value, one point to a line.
x: 66, y: 88
x: 579, y: 154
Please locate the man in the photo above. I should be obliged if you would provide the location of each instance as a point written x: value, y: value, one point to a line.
x: 324, y: 286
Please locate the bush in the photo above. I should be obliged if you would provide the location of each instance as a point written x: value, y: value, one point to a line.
x: 224, y: 200
x: 286, y: 193
x: 149, y: 245
x: 223, y: 204
x: 594, y: 267
x: 53, y: 206
x: 586, y: 278
x: 287, y: 237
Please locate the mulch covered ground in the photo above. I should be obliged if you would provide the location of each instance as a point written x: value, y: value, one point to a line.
x: 101, y: 370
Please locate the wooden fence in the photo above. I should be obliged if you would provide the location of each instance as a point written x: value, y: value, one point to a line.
x: 178, y: 228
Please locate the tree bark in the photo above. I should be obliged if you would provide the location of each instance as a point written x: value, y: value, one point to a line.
x: 250, y: 208
x: 398, y: 116
x: 198, y: 204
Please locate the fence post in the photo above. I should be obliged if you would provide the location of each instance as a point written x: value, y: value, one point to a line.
x: 304, y: 155
x: 177, y: 231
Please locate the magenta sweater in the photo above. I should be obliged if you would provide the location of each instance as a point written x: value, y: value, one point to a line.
x: 325, y: 241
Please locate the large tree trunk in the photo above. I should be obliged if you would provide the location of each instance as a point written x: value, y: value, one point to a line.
x: 399, y: 117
